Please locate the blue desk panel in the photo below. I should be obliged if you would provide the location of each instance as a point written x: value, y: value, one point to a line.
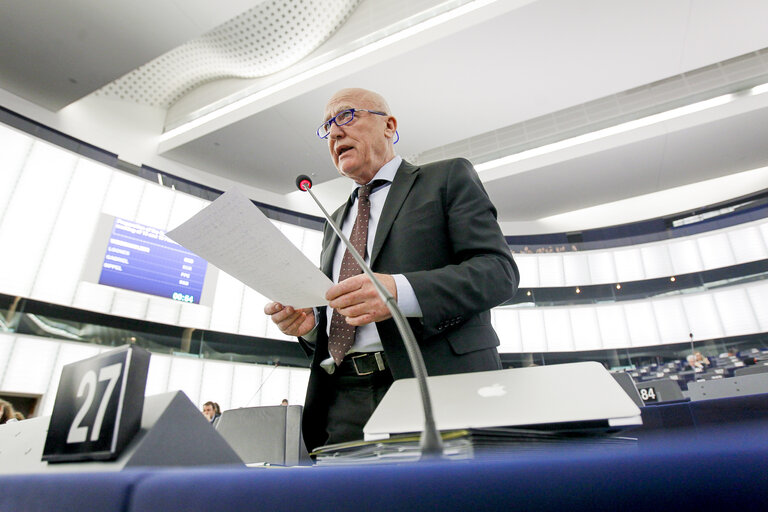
x: 65, y: 492
x: 721, y: 468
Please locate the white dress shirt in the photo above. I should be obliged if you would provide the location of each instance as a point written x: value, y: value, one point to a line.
x: 367, y: 336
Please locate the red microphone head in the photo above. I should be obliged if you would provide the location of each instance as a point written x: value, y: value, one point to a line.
x: 303, y: 182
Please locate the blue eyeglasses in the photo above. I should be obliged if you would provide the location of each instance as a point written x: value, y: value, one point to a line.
x: 346, y: 117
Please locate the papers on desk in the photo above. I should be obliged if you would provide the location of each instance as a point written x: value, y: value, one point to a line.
x: 398, y: 448
x: 468, y: 444
x: 235, y: 236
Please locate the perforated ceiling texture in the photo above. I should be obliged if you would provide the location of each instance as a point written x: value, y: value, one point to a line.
x: 263, y: 40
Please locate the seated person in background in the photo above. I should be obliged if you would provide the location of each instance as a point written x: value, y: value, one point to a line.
x: 284, y: 402
x: 702, y: 360
x: 212, y: 411
x: 697, y: 361
x: 7, y: 412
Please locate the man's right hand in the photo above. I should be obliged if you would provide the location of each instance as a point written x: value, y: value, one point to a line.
x: 290, y: 321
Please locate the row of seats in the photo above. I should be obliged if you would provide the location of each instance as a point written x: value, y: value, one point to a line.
x: 706, y: 368
x: 681, y: 379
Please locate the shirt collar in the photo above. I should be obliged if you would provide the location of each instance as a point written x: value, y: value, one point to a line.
x: 387, y: 172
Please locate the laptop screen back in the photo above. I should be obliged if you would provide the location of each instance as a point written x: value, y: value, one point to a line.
x: 565, y: 394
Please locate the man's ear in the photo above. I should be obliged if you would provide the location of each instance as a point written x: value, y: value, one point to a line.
x: 391, y: 126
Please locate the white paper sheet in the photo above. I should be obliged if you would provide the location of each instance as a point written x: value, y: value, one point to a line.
x: 235, y: 236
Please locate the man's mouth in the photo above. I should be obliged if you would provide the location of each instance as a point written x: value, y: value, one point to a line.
x: 342, y: 149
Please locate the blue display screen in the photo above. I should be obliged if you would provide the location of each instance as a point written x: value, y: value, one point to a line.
x: 143, y: 259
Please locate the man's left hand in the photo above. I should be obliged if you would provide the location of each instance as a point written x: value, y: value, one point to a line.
x: 356, y: 299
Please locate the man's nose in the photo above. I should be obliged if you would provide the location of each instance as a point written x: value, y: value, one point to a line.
x: 336, y: 130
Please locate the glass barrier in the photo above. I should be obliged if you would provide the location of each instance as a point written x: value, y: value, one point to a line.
x: 35, y: 318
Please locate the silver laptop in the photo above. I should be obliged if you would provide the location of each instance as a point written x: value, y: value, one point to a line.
x: 573, y: 396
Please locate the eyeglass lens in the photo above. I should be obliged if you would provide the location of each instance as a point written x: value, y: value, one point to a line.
x: 342, y: 118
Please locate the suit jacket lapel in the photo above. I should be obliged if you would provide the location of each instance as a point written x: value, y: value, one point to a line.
x: 404, y: 178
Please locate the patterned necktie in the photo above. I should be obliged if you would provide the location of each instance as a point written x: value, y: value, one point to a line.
x: 342, y: 335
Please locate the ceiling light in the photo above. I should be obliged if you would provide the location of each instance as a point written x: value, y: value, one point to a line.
x: 758, y: 89
x: 340, y: 61
x: 617, y: 129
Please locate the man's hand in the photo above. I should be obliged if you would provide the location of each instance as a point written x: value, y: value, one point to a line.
x: 356, y: 298
x: 290, y: 321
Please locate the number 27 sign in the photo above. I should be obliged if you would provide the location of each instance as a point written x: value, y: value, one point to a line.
x: 98, y: 406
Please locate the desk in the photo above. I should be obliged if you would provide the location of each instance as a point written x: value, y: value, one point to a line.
x: 723, y: 468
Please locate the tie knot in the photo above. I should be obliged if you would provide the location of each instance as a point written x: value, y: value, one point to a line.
x: 365, y: 190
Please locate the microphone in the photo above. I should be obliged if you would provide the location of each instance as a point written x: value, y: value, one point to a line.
x: 304, y: 183
x: 431, y: 443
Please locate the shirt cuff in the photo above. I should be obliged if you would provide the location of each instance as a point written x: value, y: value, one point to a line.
x: 311, y: 336
x: 406, y: 298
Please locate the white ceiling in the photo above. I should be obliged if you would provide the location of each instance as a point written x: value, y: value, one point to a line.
x: 55, y: 52
x: 457, y: 84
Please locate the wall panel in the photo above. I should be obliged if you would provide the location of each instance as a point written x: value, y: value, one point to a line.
x: 629, y: 265
x: 586, y: 331
x: 14, y: 148
x: 703, y: 317
x: 30, y: 216
x: 298, y: 386
x: 184, y: 206
x: 715, y: 251
x: 227, y: 303
x: 533, y: 332
x: 216, y: 385
x: 93, y: 297
x: 507, y: 324
x: 602, y: 267
x: 275, y: 387
x: 253, y: 321
x: 123, y: 196
x: 529, y: 271
x: 748, y: 244
x: 641, y: 324
x: 576, y: 268
x: 30, y: 365
x: 159, y: 372
x: 613, y: 326
x: 551, y: 270
x: 70, y: 240
x: 155, y: 205
x: 557, y: 324
x: 685, y: 256
x: 758, y: 298
x: 671, y: 319
x: 246, y: 381
x: 186, y: 375
x: 6, y: 346
x: 656, y: 260
x: 736, y: 311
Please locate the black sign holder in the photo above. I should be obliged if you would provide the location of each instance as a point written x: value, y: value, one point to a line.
x: 98, y: 407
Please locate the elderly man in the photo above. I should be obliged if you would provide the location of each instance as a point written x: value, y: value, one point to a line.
x: 430, y: 234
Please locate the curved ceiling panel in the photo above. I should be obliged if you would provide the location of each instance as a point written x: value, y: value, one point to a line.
x: 263, y: 40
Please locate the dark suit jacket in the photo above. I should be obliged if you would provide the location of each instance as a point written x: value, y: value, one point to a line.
x: 438, y: 228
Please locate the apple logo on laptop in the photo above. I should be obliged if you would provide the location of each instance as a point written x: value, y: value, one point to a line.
x: 492, y: 390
